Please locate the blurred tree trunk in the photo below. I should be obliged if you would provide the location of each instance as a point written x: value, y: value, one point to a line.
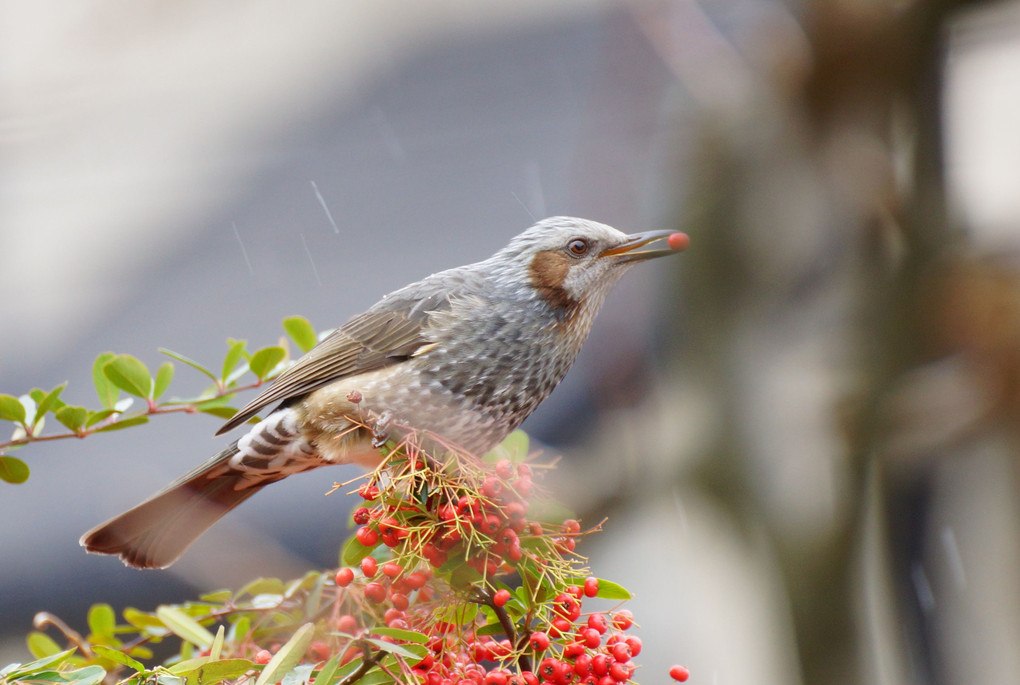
x: 827, y: 205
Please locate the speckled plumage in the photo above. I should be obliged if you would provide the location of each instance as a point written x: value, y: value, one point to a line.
x: 466, y: 354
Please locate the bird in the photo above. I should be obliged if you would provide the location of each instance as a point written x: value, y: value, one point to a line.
x: 466, y: 354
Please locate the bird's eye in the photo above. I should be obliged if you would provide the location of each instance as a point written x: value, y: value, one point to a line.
x: 577, y: 246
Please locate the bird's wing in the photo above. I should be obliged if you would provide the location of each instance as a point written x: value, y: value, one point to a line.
x: 388, y: 333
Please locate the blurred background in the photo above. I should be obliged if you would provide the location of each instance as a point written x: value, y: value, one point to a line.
x: 803, y: 431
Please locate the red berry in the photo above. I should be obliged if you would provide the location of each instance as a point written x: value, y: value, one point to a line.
x: 399, y: 601
x: 539, y: 641
x: 623, y: 619
x: 367, y: 536
x: 598, y: 622
x: 490, y: 524
x: 600, y: 665
x: 559, y: 627
x: 591, y: 637
x: 344, y: 576
x: 501, y: 597
x: 634, y: 642
x: 582, y: 665
x: 678, y: 241
x: 390, y: 526
x: 347, y: 624
x: 522, y: 486
x: 591, y: 586
x: 391, y: 569
x: 501, y: 649
x: 504, y: 469
x: 550, y: 669
x: 368, y: 491
x: 319, y: 651
x: 515, y: 511
x: 361, y: 516
x: 416, y: 580
x: 375, y: 592
x: 263, y: 656
x: 620, y: 672
x: 506, y: 538
x: 572, y: 650
x: 530, y: 678
x: 491, y: 487
x: 621, y: 652
x: 567, y: 606
x: 495, y: 678
x: 679, y: 673
x: 369, y: 566
x: 571, y: 526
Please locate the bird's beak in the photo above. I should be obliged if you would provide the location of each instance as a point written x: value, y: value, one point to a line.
x: 627, y: 251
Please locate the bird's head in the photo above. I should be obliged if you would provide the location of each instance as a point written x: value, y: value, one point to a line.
x: 572, y: 264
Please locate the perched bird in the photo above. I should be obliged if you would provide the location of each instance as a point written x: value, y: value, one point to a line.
x: 466, y: 354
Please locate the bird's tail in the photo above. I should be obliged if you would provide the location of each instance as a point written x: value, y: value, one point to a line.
x: 157, y: 531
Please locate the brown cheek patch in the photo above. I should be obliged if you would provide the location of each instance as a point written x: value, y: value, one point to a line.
x: 548, y: 271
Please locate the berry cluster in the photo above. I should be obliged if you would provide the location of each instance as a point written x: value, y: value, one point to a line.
x: 457, y: 574
x: 433, y: 530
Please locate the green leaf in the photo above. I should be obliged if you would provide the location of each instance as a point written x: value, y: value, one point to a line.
x: 301, y: 332
x: 265, y: 360
x: 217, y: 645
x: 218, y: 597
x: 219, y: 412
x: 124, y: 423
x: 607, y: 589
x: 185, y: 627
x: 50, y: 661
x: 89, y: 675
x: 289, y: 655
x: 213, y: 672
x: 11, y: 409
x: 457, y: 614
x: 13, y: 470
x: 353, y: 552
x: 239, y: 630
x: 46, y: 403
x: 140, y: 619
x: 413, y: 652
x: 101, y: 619
x: 141, y: 651
x: 72, y: 417
x: 299, y: 675
x: 119, y: 657
x: 106, y: 390
x: 189, y: 664
x: 130, y: 375
x: 261, y: 586
x: 234, y: 355
x: 514, y: 447
x: 314, y: 597
x: 42, y: 645
x: 399, y: 634
x: 163, y: 378
x: 190, y: 362
x: 328, y: 670
x: 97, y: 416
